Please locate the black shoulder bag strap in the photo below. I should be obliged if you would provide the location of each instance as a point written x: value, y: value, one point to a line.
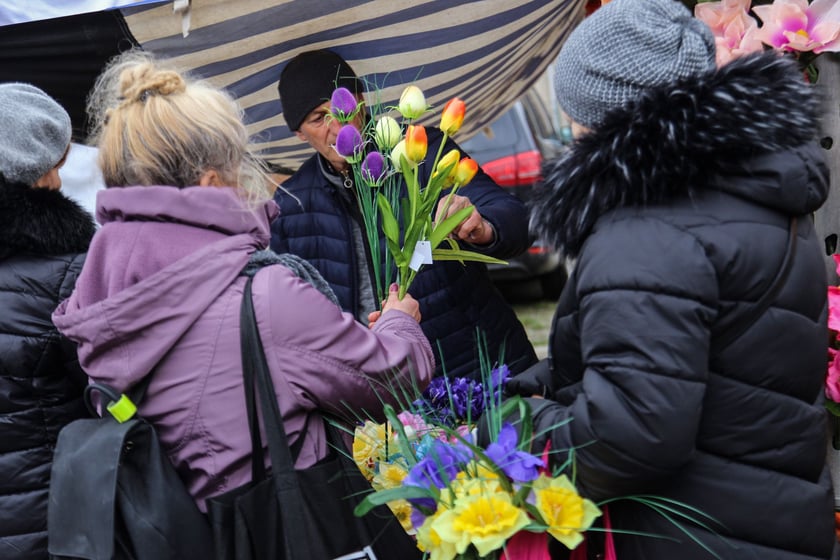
x: 256, y: 375
x: 740, y: 326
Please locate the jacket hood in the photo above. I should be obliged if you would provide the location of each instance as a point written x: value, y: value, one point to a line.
x: 123, y: 335
x: 716, y: 131
x: 42, y: 222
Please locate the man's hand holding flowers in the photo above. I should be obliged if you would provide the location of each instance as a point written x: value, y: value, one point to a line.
x: 475, y: 229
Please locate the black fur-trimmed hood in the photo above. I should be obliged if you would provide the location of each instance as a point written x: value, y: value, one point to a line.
x: 678, y: 140
x: 42, y: 222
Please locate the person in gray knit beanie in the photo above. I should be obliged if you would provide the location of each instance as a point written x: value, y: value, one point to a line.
x: 35, y: 135
x: 622, y: 49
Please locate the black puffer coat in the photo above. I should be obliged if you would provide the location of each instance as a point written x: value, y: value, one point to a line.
x: 677, y: 210
x: 43, y: 236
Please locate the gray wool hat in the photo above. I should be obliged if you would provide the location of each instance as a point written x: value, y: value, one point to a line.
x: 34, y: 133
x: 624, y: 48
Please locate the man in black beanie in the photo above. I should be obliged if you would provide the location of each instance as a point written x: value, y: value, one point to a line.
x: 321, y: 222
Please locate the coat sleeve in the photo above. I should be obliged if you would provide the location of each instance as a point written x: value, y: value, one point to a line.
x: 333, y: 362
x: 70, y: 357
x: 647, y: 295
x: 505, y: 212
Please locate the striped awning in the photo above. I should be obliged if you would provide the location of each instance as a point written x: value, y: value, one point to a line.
x: 487, y: 52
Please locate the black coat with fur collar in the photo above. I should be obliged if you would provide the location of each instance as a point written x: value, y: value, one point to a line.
x: 43, y: 236
x: 677, y: 211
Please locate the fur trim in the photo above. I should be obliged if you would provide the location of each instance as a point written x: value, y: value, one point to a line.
x: 42, y: 222
x: 671, y: 142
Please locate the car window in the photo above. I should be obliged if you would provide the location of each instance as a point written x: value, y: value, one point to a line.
x: 542, y: 121
x: 503, y: 130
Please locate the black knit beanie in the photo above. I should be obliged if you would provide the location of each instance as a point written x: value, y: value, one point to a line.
x: 309, y: 79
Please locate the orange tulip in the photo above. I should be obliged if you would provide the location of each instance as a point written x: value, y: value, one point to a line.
x: 416, y: 142
x: 466, y: 170
x: 452, y: 116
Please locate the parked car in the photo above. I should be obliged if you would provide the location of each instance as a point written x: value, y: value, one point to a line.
x: 512, y: 150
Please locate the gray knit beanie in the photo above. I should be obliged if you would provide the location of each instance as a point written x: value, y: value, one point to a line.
x: 34, y: 133
x: 625, y: 47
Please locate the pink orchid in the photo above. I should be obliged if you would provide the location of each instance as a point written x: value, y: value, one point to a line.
x: 736, y: 33
x: 834, y: 308
x: 832, y: 380
x: 834, y: 300
x: 793, y: 25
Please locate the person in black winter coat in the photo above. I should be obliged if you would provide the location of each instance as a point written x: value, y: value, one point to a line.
x: 676, y: 201
x: 321, y: 222
x: 43, y: 237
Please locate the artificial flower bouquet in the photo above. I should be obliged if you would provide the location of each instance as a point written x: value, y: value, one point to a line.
x: 383, y: 154
x: 832, y: 380
x: 461, y: 499
x: 797, y: 27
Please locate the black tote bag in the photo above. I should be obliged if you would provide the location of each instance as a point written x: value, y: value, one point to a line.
x: 114, y: 494
x: 289, y: 514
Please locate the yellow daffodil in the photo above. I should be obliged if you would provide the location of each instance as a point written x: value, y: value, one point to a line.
x: 390, y: 476
x: 367, y: 443
x: 484, y: 520
x: 428, y: 539
x: 412, y: 102
x: 402, y: 511
x: 565, y: 512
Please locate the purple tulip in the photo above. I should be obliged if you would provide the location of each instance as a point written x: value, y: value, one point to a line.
x: 348, y: 143
x: 343, y: 104
x: 373, y: 168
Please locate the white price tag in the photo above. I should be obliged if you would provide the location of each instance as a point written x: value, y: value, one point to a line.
x: 422, y: 255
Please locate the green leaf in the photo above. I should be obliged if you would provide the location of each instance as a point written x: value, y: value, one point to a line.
x: 381, y: 497
x: 443, y: 254
x: 412, y: 188
x: 405, y: 447
x: 389, y: 223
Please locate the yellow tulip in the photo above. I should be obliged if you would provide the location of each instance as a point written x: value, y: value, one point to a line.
x: 398, y: 153
x: 453, y: 116
x: 465, y: 171
x: 412, y: 102
x: 416, y: 143
x: 387, y: 133
x: 452, y: 158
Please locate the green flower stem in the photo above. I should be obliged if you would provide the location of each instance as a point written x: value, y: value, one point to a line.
x: 448, y: 202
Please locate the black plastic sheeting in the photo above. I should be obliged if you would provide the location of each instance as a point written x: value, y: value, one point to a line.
x: 64, y: 56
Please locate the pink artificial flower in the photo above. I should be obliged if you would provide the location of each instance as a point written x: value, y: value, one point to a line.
x: 793, y: 25
x: 834, y: 300
x: 736, y: 33
x: 834, y: 308
x: 832, y: 380
x: 415, y: 422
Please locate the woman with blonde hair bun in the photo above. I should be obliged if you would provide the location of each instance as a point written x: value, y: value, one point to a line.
x: 185, y: 211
